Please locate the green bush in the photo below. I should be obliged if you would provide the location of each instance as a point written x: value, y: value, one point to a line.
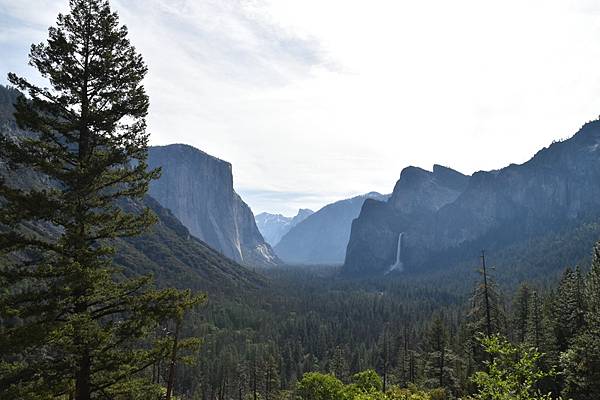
x: 317, y: 386
x: 513, y: 373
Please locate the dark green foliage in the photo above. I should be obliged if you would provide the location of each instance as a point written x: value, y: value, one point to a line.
x: 487, y: 314
x: 338, y: 364
x: 592, y: 292
x: 72, y: 323
x: 310, y: 320
x: 568, y: 308
x: 581, y: 361
x: 439, y: 357
x: 520, y: 313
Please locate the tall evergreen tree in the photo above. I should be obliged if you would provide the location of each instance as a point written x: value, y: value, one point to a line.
x: 521, y: 313
x: 402, y: 370
x: 592, y: 291
x: 384, y: 357
x: 581, y: 361
x: 73, y: 324
x: 439, y: 356
x: 338, y: 364
x: 567, y: 308
x: 535, y: 324
x: 486, y: 316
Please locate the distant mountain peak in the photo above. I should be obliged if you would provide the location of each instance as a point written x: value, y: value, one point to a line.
x: 274, y: 226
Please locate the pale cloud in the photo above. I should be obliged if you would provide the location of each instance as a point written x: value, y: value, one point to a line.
x: 313, y: 101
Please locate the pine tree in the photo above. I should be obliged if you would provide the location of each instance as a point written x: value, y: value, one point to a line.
x: 270, y: 369
x: 487, y: 312
x: 74, y: 325
x: 403, y: 370
x: 338, y: 365
x: 439, y: 356
x: 592, y: 292
x: 385, y: 356
x: 535, y: 325
x: 486, y: 317
x: 581, y: 362
x: 521, y: 312
x: 567, y: 308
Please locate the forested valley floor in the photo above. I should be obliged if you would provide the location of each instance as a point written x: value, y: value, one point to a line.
x: 413, y: 333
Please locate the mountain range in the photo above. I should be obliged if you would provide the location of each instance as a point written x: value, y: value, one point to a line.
x: 440, y: 218
x: 433, y: 220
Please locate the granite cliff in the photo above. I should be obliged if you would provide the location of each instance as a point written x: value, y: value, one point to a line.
x: 445, y: 216
x: 198, y: 189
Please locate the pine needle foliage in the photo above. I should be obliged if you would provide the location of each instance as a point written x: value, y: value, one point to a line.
x: 72, y: 324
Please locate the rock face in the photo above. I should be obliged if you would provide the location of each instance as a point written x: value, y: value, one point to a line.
x: 322, y: 237
x: 274, y: 226
x: 167, y: 250
x: 444, y: 213
x: 198, y: 189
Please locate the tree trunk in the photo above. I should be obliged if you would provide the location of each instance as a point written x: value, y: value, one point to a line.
x: 488, y: 318
x: 171, y: 381
x: 442, y: 365
x: 82, y: 379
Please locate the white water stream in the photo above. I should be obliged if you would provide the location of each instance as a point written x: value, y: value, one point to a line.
x: 397, y: 266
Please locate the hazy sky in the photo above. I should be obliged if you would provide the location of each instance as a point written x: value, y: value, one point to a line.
x: 318, y: 100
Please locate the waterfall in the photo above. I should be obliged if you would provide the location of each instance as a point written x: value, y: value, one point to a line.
x: 397, y: 266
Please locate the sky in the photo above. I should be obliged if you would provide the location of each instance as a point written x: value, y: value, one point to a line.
x: 313, y: 101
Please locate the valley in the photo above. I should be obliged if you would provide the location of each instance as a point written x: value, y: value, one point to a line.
x: 135, y: 271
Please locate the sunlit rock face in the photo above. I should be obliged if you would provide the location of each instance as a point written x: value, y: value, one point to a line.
x: 198, y: 189
x: 445, y: 211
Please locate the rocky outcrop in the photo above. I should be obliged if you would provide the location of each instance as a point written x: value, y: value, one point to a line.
x: 198, y: 189
x: 274, y: 226
x: 417, y: 197
x: 444, y: 212
x: 322, y: 237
